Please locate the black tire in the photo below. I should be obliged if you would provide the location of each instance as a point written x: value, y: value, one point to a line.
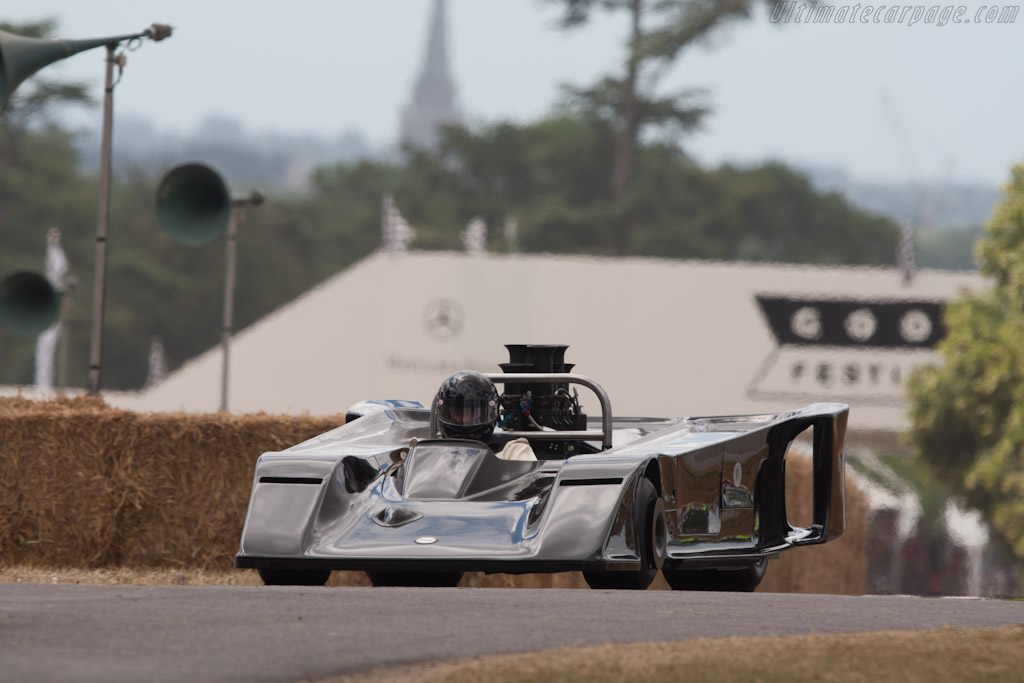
x: 294, y: 577
x: 649, y: 517
x: 742, y: 580
x: 424, y: 579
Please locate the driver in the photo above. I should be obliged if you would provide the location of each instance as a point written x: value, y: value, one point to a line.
x: 467, y: 408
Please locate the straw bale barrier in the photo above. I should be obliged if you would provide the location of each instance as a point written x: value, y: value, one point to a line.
x: 86, y: 485
x: 89, y: 486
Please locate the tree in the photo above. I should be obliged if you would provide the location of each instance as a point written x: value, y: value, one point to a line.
x: 548, y: 175
x: 659, y: 30
x: 967, y: 415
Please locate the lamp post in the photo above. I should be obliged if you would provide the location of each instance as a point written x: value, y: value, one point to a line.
x: 99, y: 293
x: 238, y: 207
x: 20, y: 57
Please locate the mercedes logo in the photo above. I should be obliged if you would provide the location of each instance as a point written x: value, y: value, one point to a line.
x: 443, y: 319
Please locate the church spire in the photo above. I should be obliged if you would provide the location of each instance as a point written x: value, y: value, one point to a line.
x: 433, y: 99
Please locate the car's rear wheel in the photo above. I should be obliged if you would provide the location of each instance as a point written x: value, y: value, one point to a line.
x: 294, y: 577
x: 649, y: 523
x: 430, y: 579
x: 744, y: 579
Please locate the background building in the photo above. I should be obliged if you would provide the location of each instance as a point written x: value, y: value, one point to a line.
x: 664, y: 337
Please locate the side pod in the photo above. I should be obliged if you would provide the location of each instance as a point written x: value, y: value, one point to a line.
x: 828, y: 420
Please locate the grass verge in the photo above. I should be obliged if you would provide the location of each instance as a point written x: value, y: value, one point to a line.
x: 948, y: 654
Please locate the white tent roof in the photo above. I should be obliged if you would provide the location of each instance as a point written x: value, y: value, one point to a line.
x: 663, y: 337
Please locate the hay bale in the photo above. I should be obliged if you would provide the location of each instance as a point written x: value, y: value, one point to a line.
x: 92, y: 486
x: 58, y: 504
x: 197, y: 478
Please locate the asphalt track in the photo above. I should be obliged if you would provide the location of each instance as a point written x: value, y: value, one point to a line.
x: 217, y: 633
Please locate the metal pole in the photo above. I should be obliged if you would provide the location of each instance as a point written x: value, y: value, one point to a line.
x: 238, y: 207
x: 102, y: 221
x: 230, y: 250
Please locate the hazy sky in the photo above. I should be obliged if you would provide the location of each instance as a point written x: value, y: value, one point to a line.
x: 883, y: 101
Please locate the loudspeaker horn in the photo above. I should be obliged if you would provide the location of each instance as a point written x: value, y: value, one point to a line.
x: 193, y: 204
x: 28, y: 303
x: 21, y: 56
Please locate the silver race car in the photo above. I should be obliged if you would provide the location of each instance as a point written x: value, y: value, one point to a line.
x: 400, y: 493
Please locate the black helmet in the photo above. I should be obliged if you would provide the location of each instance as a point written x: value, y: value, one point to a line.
x: 467, y: 406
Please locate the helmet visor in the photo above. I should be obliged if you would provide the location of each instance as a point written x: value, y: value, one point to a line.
x: 468, y: 412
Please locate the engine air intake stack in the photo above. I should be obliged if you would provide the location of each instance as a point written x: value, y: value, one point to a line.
x: 531, y: 407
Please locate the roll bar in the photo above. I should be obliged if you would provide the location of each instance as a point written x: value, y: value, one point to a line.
x: 605, y: 433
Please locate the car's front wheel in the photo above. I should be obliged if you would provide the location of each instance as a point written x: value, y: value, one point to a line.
x: 649, y: 524
x: 743, y: 579
x: 294, y: 577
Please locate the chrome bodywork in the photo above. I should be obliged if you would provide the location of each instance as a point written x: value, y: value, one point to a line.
x: 360, y: 497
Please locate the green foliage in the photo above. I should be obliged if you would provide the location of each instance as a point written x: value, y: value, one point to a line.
x: 671, y: 116
x: 968, y: 414
x: 548, y: 175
